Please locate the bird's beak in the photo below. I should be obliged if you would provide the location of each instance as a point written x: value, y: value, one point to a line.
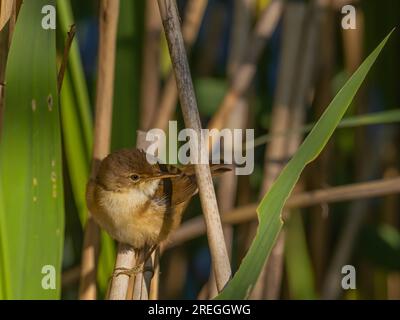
x: 163, y: 176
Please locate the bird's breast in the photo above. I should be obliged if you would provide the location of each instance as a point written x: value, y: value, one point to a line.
x: 131, y: 216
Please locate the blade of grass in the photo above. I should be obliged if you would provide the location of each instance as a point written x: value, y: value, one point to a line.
x: 77, y: 76
x: 269, y: 210
x: 375, y: 118
x: 32, y: 208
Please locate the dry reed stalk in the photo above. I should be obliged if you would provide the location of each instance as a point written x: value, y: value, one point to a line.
x: 64, y: 61
x: 13, y: 19
x: 321, y: 168
x: 391, y: 217
x: 119, y: 285
x: 240, y: 32
x: 338, y: 4
x: 6, y: 11
x: 299, y: 100
x: 155, y: 282
x: 141, y: 288
x: 294, y: 16
x: 6, y: 33
x: 108, y: 16
x: 393, y: 286
x: 150, y: 72
x: 363, y: 190
x: 245, y: 72
x: 204, y: 293
x: 228, y: 182
x: 220, y: 259
x: 167, y: 101
x: 214, y: 24
x: 178, y: 264
x: 70, y: 276
x: 151, y: 66
x: 353, y: 52
x: 191, y: 25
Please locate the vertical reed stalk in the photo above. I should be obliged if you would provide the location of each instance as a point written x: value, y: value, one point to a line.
x: 304, y: 77
x: 228, y: 182
x: 8, y: 15
x: 268, y: 283
x: 320, y: 169
x: 245, y: 72
x: 353, y: 52
x: 109, y: 10
x: 151, y: 66
x: 193, y: 16
x: 155, y: 282
x: 220, y: 259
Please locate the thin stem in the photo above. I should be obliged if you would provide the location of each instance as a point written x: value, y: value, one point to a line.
x: 142, y: 284
x: 119, y: 285
x: 155, y: 282
x: 280, y: 121
x: 6, y: 33
x: 193, y: 16
x: 245, y: 72
x: 6, y: 9
x: 64, y: 62
x: 304, y: 80
x: 220, y: 259
x: 227, y: 187
x: 109, y: 10
x: 151, y: 66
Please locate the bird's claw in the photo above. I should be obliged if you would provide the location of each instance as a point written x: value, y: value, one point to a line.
x: 128, y: 271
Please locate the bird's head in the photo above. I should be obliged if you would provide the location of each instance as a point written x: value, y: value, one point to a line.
x: 125, y: 169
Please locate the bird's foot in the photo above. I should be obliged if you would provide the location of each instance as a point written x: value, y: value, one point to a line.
x: 128, y: 271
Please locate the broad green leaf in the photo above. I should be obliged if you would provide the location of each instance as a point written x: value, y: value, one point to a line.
x: 297, y: 260
x: 32, y: 204
x: 270, y: 208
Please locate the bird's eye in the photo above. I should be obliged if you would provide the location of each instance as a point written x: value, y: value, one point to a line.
x: 135, y: 177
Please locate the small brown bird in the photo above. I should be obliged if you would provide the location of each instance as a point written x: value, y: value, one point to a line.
x: 139, y: 203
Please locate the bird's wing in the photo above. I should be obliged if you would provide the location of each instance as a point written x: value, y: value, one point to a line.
x: 176, y: 190
x: 180, y: 189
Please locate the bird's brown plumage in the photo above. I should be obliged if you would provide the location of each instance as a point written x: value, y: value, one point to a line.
x: 140, y: 212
